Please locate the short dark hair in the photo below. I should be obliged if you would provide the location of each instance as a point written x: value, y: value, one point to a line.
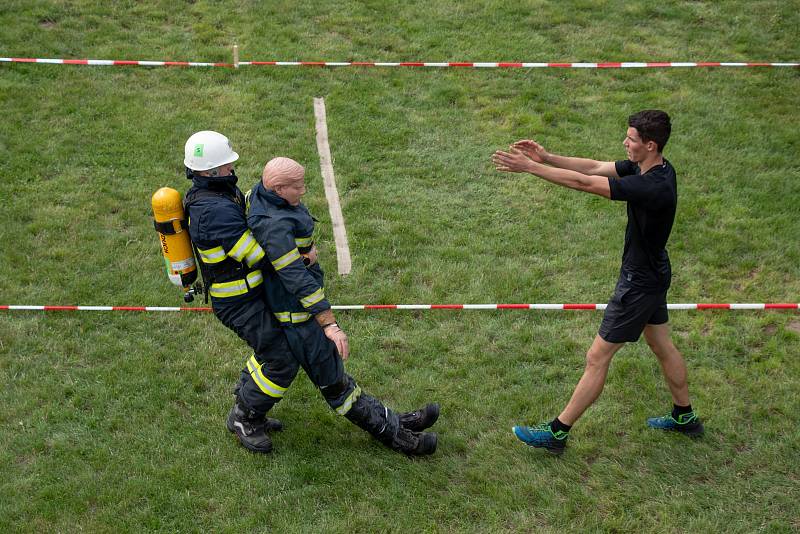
x: 652, y: 125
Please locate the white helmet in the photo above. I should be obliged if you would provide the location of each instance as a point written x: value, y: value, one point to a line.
x: 208, y: 150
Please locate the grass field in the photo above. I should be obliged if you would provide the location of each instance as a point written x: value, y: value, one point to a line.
x: 115, y: 421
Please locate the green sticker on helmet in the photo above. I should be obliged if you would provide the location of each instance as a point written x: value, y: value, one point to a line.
x: 198, y: 150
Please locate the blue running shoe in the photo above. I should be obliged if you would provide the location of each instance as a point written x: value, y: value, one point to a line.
x: 687, y: 423
x: 542, y: 436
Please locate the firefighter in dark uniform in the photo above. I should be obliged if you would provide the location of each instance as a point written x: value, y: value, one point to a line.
x: 294, y: 286
x: 229, y: 258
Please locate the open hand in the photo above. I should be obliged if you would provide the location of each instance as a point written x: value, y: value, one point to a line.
x: 532, y: 149
x: 512, y: 161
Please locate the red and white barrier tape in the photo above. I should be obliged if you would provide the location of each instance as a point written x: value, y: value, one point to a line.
x: 603, y: 65
x: 701, y: 306
x: 112, y: 62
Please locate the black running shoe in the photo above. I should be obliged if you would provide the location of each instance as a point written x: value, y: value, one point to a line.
x: 543, y: 437
x: 687, y: 423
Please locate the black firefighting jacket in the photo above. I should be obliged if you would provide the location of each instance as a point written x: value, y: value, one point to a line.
x: 226, y: 249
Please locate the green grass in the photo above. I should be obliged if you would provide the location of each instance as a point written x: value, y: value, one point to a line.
x: 115, y: 421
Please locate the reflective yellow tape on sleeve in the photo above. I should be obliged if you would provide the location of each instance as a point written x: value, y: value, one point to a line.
x: 303, y: 241
x: 242, y: 246
x: 255, y: 254
x: 286, y: 259
x: 264, y: 384
x: 212, y: 255
x: 293, y: 317
x: 284, y: 317
x: 300, y: 317
x: 313, y: 298
x: 255, y: 278
x: 348, y: 402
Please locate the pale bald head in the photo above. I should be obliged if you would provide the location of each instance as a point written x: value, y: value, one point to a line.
x: 282, y: 171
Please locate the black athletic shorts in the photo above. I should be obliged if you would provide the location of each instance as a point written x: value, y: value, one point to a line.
x: 629, y: 310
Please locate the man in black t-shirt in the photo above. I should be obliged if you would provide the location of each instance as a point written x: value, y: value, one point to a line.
x: 646, y: 181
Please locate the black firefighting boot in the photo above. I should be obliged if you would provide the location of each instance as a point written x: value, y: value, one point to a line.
x: 384, y: 425
x: 252, y: 429
x: 421, y: 419
x: 414, y: 443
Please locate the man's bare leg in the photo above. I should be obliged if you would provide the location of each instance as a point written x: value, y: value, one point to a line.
x: 553, y: 436
x: 598, y: 359
x: 673, y: 366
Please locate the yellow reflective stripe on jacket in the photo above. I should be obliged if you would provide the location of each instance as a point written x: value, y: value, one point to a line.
x: 255, y: 254
x: 303, y: 241
x: 348, y: 402
x: 292, y: 317
x: 212, y: 255
x: 264, y: 384
x: 286, y: 259
x: 313, y: 298
x: 247, y: 248
x: 238, y: 251
x: 236, y: 287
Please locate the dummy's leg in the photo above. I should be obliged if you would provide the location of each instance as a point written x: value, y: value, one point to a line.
x: 325, y: 368
x: 346, y: 398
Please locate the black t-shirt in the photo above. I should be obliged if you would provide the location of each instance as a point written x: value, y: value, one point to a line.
x: 652, y: 198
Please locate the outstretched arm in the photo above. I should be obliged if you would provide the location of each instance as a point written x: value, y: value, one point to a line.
x: 517, y: 161
x: 537, y: 153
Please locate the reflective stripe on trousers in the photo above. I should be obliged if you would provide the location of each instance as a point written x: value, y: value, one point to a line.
x: 264, y: 384
x: 348, y: 402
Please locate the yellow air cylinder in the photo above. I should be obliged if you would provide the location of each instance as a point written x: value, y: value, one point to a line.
x: 172, y: 228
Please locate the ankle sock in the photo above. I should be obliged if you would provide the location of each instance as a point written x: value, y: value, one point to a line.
x: 677, y: 411
x: 556, y: 425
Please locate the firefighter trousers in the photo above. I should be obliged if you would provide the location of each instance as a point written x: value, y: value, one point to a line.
x: 258, y: 390
x: 278, y: 356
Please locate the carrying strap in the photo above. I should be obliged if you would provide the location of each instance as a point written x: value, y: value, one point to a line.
x: 171, y: 227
